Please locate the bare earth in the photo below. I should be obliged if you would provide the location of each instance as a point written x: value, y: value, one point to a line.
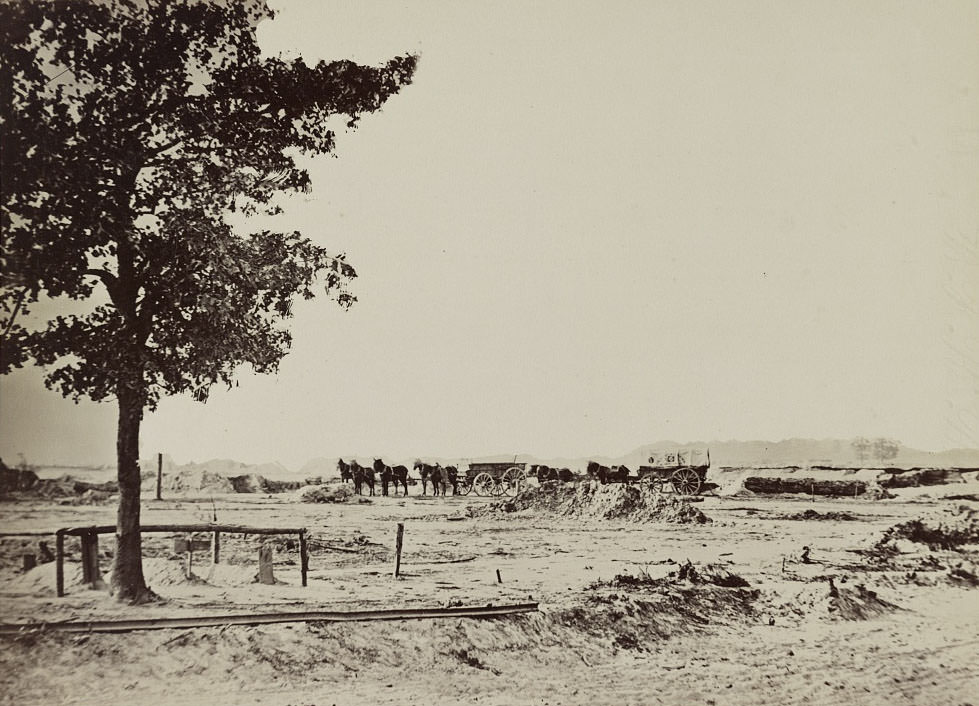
x: 648, y: 639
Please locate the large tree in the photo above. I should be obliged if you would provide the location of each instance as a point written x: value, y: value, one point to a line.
x: 130, y: 129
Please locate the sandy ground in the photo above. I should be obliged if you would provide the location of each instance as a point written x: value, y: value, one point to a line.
x: 779, y: 640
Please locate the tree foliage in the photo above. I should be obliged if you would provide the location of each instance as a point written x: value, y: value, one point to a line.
x: 862, y: 447
x: 886, y: 449
x: 130, y: 130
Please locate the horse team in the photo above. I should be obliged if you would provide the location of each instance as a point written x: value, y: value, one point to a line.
x: 440, y: 477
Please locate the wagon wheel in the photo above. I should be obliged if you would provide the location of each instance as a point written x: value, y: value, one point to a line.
x: 484, y: 485
x: 513, y: 481
x: 465, y: 486
x: 649, y: 480
x: 685, y: 481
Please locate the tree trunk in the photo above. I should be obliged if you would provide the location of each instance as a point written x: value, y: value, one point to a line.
x: 127, y: 572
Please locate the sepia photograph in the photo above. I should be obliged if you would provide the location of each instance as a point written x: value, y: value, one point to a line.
x: 549, y: 352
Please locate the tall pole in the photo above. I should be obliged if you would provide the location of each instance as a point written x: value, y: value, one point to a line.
x: 159, y: 476
x: 399, y: 542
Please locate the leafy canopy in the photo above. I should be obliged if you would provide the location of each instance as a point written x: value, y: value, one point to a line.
x: 129, y: 131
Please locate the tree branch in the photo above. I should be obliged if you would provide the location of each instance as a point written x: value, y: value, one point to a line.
x: 13, y: 316
x: 110, y: 281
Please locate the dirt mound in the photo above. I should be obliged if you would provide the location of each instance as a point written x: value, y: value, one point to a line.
x: 12, y: 479
x: 255, y: 483
x: 638, y: 610
x: 90, y: 497
x: 857, y: 603
x: 828, y: 600
x: 198, y: 481
x: 949, y: 529
x: 40, y: 580
x: 615, y: 501
x: 325, y: 494
x: 63, y: 487
x: 808, y: 486
x: 814, y: 515
x: 921, y: 476
x: 705, y: 575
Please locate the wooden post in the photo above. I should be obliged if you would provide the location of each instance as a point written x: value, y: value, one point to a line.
x: 303, y: 555
x: 159, y: 476
x: 90, y: 559
x: 215, y: 547
x: 265, y: 574
x: 499, y: 579
x: 397, y: 549
x: 190, y: 557
x: 59, y: 557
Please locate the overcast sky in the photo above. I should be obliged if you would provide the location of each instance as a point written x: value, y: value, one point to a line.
x: 588, y: 226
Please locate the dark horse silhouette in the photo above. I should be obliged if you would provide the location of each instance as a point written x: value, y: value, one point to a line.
x: 399, y: 474
x: 606, y: 474
x: 425, y: 472
x: 438, y: 477
x: 361, y: 475
x: 452, y: 474
x: 546, y: 473
x: 345, y: 472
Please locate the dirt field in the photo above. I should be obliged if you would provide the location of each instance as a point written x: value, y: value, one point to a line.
x: 623, y: 618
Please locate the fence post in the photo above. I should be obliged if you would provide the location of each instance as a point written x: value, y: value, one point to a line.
x: 215, y: 547
x: 159, y: 476
x: 303, y: 555
x: 59, y: 548
x: 397, y: 549
x: 90, y: 559
x: 265, y: 572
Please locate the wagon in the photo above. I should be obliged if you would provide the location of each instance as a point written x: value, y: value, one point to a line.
x: 488, y: 479
x: 682, y: 470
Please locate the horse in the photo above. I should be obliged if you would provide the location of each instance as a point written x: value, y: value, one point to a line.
x: 425, y: 471
x: 385, y: 471
x: 345, y: 472
x: 452, y: 473
x: 620, y: 473
x: 543, y: 473
x: 608, y: 474
x: 597, y: 470
x: 362, y: 474
x: 436, y: 477
x: 398, y: 474
x: 546, y: 473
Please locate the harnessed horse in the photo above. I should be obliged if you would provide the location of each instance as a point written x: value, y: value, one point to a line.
x: 399, y: 474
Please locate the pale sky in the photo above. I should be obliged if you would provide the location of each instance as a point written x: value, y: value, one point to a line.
x: 589, y: 226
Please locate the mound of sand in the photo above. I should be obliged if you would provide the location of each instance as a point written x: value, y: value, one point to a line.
x: 689, y: 573
x: 325, y: 494
x: 41, y: 579
x: 615, y: 501
x: 91, y: 497
x: 198, y: 481
x: 838, y: 602
x: 815, y: 515
x: 256, y: 483
x: 949, y: 529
